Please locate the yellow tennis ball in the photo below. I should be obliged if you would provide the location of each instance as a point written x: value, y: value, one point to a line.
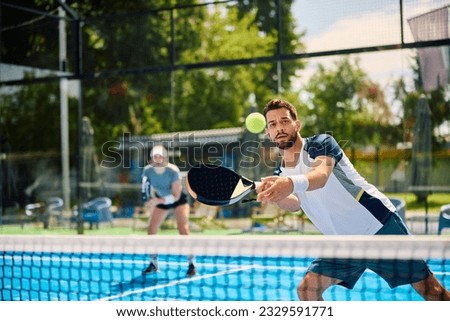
x: 255, y: 123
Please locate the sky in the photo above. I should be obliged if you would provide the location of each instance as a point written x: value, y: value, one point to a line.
x: 344, y: 24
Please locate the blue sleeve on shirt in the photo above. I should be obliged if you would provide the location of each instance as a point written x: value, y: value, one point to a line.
x: 323, y: 145
x: 277, y: 170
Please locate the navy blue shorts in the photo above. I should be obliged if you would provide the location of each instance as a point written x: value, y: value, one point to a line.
x: 181, y: 201
x: 394, y: 272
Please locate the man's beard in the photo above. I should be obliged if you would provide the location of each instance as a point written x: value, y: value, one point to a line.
x: 289, y: 143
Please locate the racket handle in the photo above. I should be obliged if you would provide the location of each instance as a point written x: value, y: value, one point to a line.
x: 246, y: 200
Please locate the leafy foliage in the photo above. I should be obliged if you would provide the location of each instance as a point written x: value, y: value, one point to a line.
x: 344, y: 101
x: 31, y: 116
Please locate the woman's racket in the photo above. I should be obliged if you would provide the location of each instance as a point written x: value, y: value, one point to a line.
x: 216, y: 185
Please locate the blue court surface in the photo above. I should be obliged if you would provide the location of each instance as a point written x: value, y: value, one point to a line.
x: 87, y: 277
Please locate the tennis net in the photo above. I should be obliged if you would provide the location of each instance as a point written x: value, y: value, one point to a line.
x: 254, y: 268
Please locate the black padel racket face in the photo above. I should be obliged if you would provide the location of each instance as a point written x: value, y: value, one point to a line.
x: 217, y: 185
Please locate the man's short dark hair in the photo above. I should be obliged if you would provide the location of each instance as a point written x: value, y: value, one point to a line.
x: 277, y: 104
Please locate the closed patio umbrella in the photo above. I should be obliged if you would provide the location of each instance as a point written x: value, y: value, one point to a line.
x: 421, y: 160
x: 89, y: 165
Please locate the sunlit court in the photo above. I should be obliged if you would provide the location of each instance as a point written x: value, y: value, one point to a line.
x: 229, y: 269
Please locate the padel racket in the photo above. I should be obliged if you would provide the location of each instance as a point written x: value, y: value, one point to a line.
x: 216, y: 185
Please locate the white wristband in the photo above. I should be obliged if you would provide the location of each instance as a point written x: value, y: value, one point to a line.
x: 169, y: 199
x: 300, y: 182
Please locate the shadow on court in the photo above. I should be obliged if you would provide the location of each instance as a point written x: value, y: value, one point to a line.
x: 139, y: 282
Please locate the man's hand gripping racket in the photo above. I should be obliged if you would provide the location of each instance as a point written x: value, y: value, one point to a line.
x: 216, y: 185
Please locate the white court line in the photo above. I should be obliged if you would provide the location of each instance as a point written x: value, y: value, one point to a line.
x: 173, y: 283
x: 143, y: 262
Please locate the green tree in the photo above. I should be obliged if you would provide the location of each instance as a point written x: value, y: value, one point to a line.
x: 31, y: 118
x: 119, y: 109
x: 217, y: 97
x: 440, y: 114
x: 344, y: 101
x: 437, y: 100
x: 128, y: 48
x: 265, y: 16
x: 201, y: 98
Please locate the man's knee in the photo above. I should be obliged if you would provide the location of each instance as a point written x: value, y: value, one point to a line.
x: 307, y: 290
x: 302, y: 291
x: 312, y: 287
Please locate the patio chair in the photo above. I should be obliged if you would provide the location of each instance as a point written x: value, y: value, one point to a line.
x: 444, y: 218
x: 96, y: 211
x: 46, y: 212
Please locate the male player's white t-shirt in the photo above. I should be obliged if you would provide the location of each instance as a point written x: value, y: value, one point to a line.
x: 347, y: 204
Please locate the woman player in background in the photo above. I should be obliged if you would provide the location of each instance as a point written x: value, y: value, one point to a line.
x: 161, y: 191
